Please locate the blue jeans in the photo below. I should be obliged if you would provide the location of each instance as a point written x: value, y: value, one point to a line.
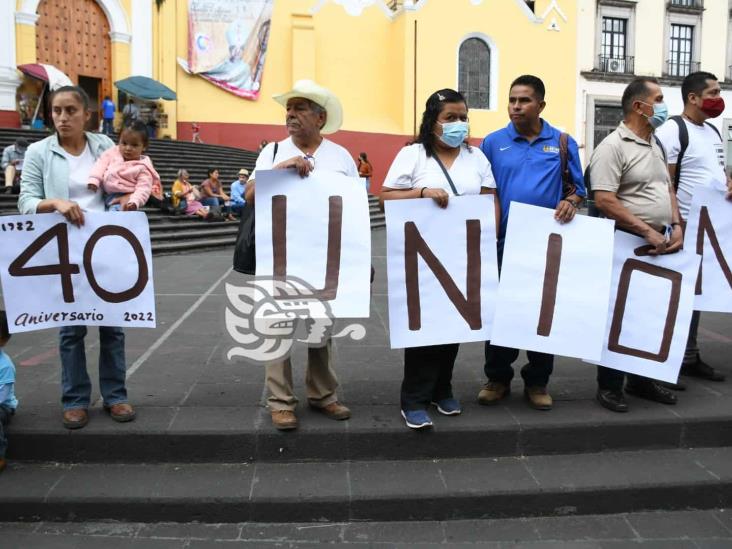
x: 215, y: 202
x: 75, y: 383
x: 108, y: 126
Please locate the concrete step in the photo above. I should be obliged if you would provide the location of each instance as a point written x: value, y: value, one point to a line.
x: 206, y: 432
x: 433, y: 489
x: 174, y: 247
x: 176, y: 235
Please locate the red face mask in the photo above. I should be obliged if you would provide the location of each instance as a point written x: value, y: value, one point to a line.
x: 713, y: 107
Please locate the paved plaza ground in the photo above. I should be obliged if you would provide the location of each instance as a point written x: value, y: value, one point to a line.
x: 199, y: 415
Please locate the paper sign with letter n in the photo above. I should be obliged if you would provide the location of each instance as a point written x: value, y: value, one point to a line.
x: 555, y: 283
x: 317, y: 229
x: 709, y: 233
x: 442, y: 271
x: 650, y: 309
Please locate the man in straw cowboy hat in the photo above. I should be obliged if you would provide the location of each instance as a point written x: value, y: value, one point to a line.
x: 311, y: 112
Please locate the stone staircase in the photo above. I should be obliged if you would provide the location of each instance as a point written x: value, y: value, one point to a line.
x: 178, y: 234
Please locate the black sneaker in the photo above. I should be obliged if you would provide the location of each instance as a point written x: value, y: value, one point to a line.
x: 612, y: 400
x: 650, y: 390
x: 702, y: 370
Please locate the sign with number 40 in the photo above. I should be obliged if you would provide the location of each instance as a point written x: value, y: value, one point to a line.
x: 56, y: 274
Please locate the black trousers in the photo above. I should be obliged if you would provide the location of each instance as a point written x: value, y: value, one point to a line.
x: 6, y: 412
x: 609, y: 379
x: 498, y: 367
x: 427, y: 375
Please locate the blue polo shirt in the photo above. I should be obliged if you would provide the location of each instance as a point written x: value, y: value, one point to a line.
x: 530, y: 173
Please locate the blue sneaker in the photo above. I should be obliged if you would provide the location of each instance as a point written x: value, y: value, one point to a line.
x: 417, y: 419
x: 448, y: 406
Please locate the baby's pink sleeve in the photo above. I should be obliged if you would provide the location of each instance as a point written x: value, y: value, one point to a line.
x: 96, y: 175
x: 143, y: 187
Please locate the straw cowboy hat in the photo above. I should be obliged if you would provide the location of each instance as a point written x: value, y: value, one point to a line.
x: 320, y: 95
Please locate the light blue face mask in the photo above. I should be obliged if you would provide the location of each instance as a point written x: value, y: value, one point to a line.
x: 660, y: 114
x: 454, y: 133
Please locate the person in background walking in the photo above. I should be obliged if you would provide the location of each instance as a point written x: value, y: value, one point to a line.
x: 365, y: 170
x: 108, y: 115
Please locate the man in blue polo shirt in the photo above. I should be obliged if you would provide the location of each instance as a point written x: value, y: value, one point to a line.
x: 526, y: 163
x: 107, y: 115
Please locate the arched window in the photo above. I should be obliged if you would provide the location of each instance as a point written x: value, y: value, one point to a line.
x: 474, y: 72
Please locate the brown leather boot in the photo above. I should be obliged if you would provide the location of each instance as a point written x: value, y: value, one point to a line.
x: 334, y: 410
x: 122, y: 412
x: 492, y: 392
x: 75, y: 418
x: 539, y: 398
x: 284, y: 420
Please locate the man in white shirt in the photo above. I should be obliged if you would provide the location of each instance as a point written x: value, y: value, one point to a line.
x: 311, y: 111
x: 695, y: 153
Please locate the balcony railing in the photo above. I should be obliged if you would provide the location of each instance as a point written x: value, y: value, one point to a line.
x: 616, y: 64
x: 698, y: 4
x: 675, y: 69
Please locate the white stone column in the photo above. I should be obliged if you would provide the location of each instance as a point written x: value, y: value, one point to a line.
x: 142, y: 39
x: 9, y: 80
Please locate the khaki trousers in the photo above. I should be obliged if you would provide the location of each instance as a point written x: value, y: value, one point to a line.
x: 320, y: 381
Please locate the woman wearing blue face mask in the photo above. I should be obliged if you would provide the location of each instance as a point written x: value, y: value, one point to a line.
x: 439, y: 164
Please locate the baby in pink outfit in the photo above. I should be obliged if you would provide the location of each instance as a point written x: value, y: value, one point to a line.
x: 123, y: 170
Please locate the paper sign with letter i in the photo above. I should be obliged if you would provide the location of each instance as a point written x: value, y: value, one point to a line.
x: 709, y: 234
x: 650, y: 309
x: 555, y: 283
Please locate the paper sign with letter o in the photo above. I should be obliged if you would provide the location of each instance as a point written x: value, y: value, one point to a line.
x: 650, y: 309
x: 555, y: 283
x: 56, y: 274
x: 709, y: 233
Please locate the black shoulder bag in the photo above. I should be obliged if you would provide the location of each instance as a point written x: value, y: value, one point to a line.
x: 245, y: 254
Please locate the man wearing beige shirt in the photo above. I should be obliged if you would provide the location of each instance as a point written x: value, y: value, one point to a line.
x: 632, y: 186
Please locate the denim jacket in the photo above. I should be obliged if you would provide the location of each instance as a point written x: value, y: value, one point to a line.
x: 46, y: 170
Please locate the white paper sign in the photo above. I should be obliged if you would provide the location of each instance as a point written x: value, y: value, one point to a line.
x: 55, y: 274
x: 442, y: 270
x: 650, y: 310
x: 322, y: 235
x: 555, y: 283
x: 709, y: 232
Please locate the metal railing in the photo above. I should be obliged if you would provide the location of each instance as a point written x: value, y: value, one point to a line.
x: 616, y: 64
x: 686, y: 3
x: 677, y: 69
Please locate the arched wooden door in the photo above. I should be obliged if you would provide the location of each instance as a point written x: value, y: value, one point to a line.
x: 73, y: 35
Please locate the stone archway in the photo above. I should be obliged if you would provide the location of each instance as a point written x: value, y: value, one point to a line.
x: 113, y: 9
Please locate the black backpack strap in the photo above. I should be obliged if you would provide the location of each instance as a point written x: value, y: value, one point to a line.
x: 447, y: 175
x: 715, y: 131
x: 684, y: 144
x: 568, y: 187
x: 274, y: 154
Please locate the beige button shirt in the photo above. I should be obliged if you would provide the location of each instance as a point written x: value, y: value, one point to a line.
x: 635, y: 170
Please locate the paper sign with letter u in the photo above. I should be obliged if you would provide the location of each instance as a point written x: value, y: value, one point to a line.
x: 555, y: 283
x: 56, y: 274
x: 442, y: 270
x: 650, y: 309
x: 709, y: 233
x: 317, y: 229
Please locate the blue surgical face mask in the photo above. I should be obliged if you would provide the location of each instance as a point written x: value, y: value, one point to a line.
x: 660, y: 114
x: 454, y: 133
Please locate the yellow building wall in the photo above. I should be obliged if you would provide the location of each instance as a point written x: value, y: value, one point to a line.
x: 368, y: 62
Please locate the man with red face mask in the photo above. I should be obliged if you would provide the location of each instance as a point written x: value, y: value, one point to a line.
x: 695, y: 153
